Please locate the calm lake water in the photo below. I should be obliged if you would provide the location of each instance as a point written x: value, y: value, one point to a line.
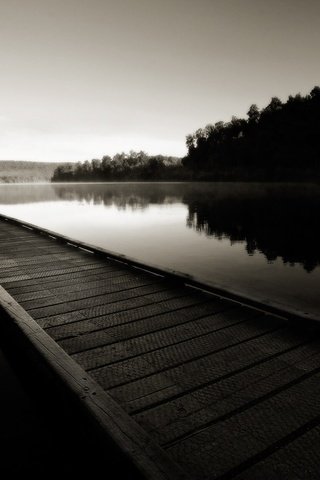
x: 258, y: 240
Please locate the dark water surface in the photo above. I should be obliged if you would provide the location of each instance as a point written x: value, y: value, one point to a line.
x: 258, y: 240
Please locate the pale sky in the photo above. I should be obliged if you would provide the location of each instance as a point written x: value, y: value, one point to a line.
x: 84, y: 78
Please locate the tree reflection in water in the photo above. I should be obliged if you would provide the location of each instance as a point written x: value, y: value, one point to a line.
x: 278, y: 220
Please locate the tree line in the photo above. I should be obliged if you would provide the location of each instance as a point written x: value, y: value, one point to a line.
x: 281, y: 141
x: 278, y: 142
x: 123, y: 166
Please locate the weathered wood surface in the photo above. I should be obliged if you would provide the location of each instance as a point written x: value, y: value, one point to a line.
x: 188, y: 381
x: 151, y: 460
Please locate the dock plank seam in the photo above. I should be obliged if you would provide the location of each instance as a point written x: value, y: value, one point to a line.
x: 124, y: 340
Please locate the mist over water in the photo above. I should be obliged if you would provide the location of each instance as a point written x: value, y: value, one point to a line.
x: 258, y: 240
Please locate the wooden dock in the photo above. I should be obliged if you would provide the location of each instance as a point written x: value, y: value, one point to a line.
x: 189, y: 384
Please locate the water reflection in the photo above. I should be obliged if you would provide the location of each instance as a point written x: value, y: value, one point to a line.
x: 280, y: 221
x: 17, y: 194
x: 122, y: 195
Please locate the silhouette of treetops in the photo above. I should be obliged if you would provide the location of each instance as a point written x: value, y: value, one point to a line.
x: 279, y: 142
x: 282, y: 141
x: 123, y: 166
x: 277, y: 220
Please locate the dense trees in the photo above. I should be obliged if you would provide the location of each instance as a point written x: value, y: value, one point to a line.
x: 282, y: 141
x: 123, y: 166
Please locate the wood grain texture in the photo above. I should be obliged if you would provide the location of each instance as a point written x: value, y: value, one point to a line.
x: 152, y: 461
x: 187, y: 381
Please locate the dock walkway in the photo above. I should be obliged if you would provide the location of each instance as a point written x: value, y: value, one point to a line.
x: 213, y: 388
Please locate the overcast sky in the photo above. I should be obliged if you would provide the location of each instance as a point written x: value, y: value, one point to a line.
x: 84, y: 78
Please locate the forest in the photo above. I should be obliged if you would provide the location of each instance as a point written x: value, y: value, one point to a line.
x: 123, y: 166
x: 277, y: 143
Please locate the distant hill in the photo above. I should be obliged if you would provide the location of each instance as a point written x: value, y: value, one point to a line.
x: 12, y: 171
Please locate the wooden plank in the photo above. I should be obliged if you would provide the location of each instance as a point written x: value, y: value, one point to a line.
x: 168, y: 357
x: 14, y: 261
x: 136, y: 322
x: 29, y: 252
x: 247, y: 433
x: 93, y: 333
x: 99, y: 272
x: 33, y: 244
x: 298, y: 458
x: 120, y: 348
x: 183, y: 363
x: 45, y: 298
x: 51, y: 266
x: 17, y: 240
x: 116, y: 281
x: 41, y: 275
x: 23, y: 244
x: 41, y: 257
x: 44, y: 260
x: 186, y: 415
x: 130, y: 438
x: 111, y: 303
x: 18, y: 236
x: 86, y: 283
x: 176, y: 382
